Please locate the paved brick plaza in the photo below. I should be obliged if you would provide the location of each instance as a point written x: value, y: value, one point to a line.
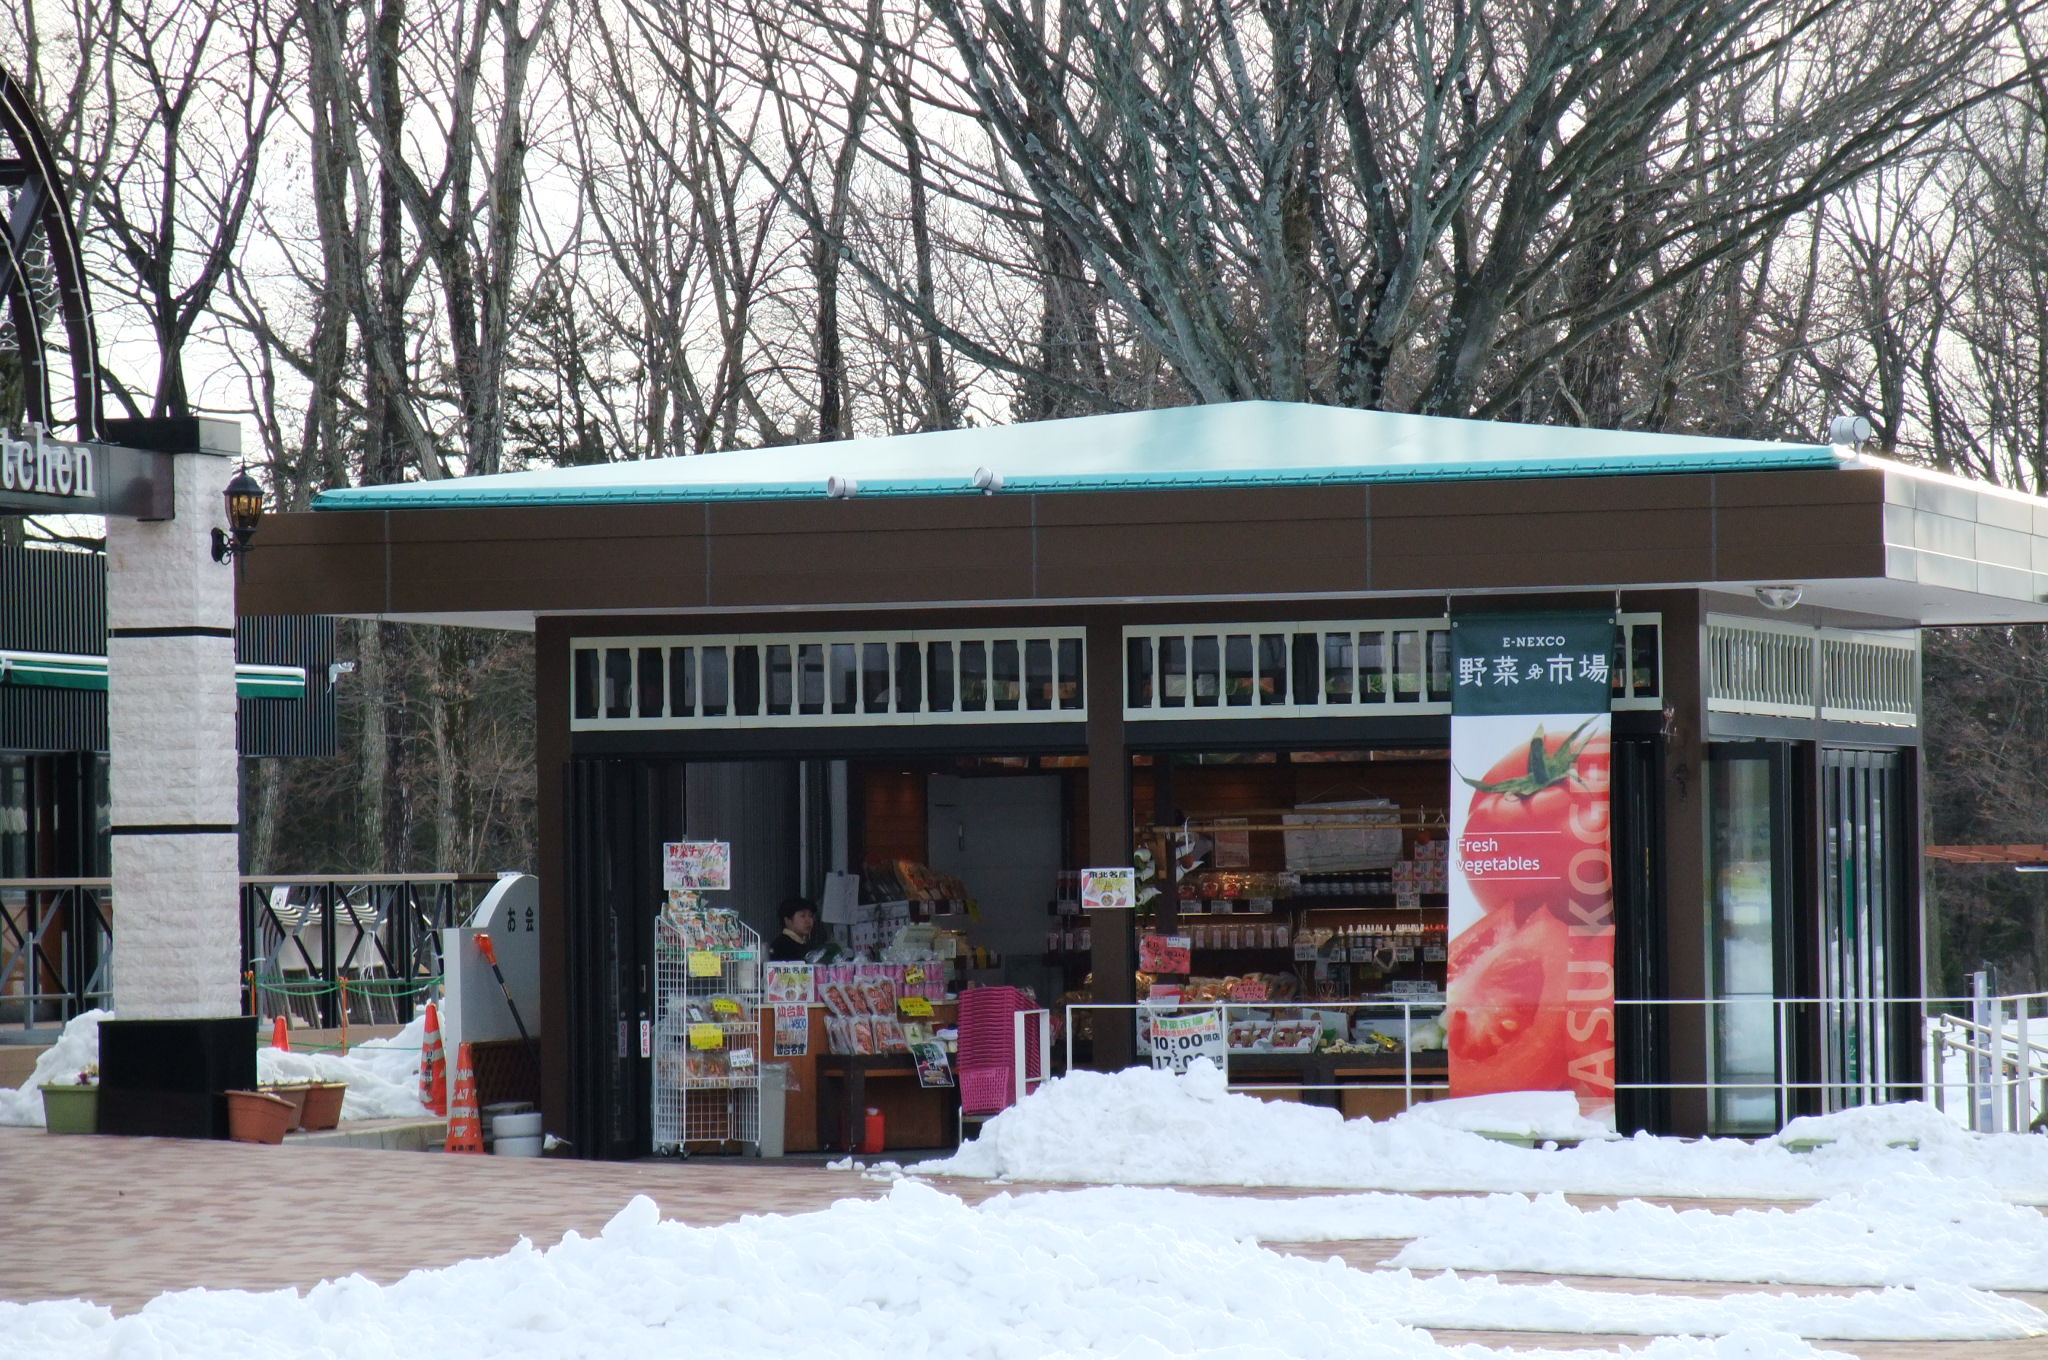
x: 119, y: 1221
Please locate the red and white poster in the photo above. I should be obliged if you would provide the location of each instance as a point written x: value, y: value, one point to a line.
x: 1531, y: 960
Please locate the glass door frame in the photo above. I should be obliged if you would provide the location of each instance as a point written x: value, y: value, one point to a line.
x: 1785, y: 764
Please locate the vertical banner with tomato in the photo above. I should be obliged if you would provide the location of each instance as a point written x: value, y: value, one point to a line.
x: 1531, y: 967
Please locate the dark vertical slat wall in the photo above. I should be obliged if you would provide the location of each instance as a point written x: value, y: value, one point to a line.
x: 1639, y: 929
x: 53, y: 600
x: 289, y: 727
x: 618, y: 813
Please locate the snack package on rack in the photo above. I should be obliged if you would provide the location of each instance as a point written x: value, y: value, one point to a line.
x: 865, y: 1040
x: 833, y: 990
x: 708, y: 1064
x: 878, y: 989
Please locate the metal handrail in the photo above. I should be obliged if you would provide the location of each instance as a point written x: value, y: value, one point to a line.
x: 376, y: 933
x: 2011, y: 1093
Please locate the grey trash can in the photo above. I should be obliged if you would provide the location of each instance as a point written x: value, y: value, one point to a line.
x: 774, y: 1104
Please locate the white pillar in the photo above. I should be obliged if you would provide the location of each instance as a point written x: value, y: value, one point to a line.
x: 171, y: 746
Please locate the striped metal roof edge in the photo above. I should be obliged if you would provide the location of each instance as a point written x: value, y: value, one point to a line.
x: 454, y: 492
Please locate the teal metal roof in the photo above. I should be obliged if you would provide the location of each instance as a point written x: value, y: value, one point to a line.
x: 1242, y: 444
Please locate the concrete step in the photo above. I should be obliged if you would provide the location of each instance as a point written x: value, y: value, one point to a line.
x: 390, y: 1135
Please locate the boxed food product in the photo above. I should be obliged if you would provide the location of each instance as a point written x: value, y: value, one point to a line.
x: 1294, y: 1036
x: 1246, y: 1036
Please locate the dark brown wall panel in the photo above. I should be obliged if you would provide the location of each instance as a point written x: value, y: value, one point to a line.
x: 1537, y: 495
x: 870, y: 567
x: 1515, y: 568
x: 1277, y: 541
x: 1806, y: 486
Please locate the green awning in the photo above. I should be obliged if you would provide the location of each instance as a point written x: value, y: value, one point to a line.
x: 63, y: 670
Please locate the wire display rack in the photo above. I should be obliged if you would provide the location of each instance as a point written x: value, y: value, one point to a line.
x: 707, y: 1029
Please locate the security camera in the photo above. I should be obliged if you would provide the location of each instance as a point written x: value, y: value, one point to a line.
x: 841, y: 488
x: 986, y: 481
x: 1848, y: 431
x: 1779, y: 598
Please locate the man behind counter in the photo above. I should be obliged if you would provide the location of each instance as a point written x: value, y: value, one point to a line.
x: 799, y: 919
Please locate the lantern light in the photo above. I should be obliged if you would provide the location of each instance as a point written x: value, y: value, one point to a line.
x: 244, y: 498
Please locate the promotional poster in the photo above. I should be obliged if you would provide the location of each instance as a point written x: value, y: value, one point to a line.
x: 1531, y: 965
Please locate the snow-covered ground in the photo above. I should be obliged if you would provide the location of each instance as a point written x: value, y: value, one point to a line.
x: 1916, y: 1215
x: 1152, y: 1128
x: 382, y: 1074
x: 1901, y: 1232
x: 919, y: 1273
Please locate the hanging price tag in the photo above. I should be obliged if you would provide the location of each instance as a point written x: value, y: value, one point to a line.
x: 706, y: 1036
x: 705, y: 963
x: 725, y: 1005
x: 915, y: 1005
x: 913, y: 974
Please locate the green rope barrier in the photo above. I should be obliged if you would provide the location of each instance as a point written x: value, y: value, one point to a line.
x: 386, y: 987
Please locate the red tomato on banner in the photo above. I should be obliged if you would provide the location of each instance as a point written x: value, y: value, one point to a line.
x: 1506, y: 1013
x: 1542, y: 810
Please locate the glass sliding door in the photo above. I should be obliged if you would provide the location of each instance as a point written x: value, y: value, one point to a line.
x: 1863, y: 886
x: 1749, y: 862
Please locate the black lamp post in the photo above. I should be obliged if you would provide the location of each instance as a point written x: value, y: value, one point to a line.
x: 244, y: 497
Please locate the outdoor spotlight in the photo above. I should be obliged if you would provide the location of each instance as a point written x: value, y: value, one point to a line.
x: 841, y: 488
x: 244, y: 497
x: 1779, y: 598
x: 987, y: 482
x: 1848, y: 431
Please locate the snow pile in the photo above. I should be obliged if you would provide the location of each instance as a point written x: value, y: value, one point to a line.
x: 1905, y: 1231
x: 920, y: 1273
x: 1909, y: 1124
x: 1145, y: 1127
x: 1908, y: 1231
x: 1541, y: 1115
x: 382, y: 1074
x: 76, y: 1049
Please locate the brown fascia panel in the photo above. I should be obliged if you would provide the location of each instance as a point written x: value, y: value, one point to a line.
x: 1549, y: 533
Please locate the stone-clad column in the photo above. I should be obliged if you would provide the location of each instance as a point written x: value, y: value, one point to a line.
x: 171, y: 740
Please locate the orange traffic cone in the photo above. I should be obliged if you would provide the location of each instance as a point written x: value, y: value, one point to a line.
x: 433, y: 1066
x: 465, y: 1123
x: 280, y: 1035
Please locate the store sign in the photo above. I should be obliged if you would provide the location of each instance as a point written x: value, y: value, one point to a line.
x: 33, y: 463
x: 1109, y: 889
x: 1531, y: 960
x: 39, y: 474
x: 696, y: 865
x: 1178, y: 1040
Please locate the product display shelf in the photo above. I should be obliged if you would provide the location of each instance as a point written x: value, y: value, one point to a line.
x: 707, y: 1031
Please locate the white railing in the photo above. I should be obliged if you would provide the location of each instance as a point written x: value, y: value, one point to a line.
x: 1985, y: 1057
x: 1785, y: 670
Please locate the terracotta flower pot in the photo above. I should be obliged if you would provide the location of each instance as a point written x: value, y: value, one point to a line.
x: 71, y: 1109
x: 258, y: 1117
x: 296, y: 1093
x: 323, y: 1105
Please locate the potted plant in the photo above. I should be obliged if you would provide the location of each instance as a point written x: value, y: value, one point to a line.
x: 73, y: 1106
x: 258, y: 1117
x: 295, y: 1092
x: 323, y: 1105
